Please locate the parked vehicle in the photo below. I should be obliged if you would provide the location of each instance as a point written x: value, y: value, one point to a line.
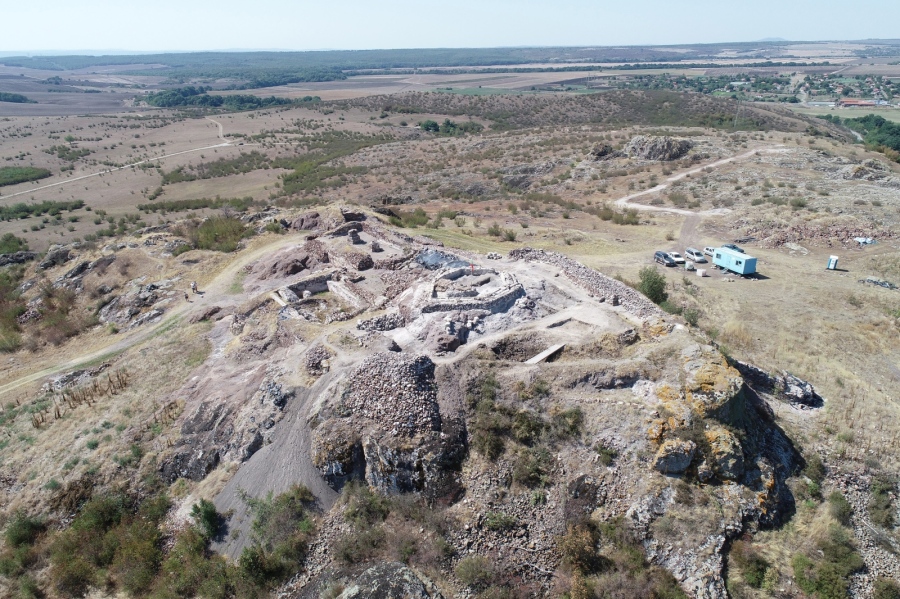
x: 731, y: 246
x: 736, y: 262
x: 678, y: 258
x: 709, y: 251
x: 663, y: 258
x: 695, y: 256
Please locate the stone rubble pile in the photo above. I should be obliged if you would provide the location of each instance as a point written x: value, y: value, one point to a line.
x: 599, y: 284
x: 395, y: 391
x: 385, y: 322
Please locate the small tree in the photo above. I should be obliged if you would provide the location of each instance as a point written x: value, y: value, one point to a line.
x: 653, y: 284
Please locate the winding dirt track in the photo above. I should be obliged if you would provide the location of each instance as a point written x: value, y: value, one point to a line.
x: 625, y: 202
x: 215, y: 293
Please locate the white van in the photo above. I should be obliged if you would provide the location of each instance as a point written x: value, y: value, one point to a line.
x: 709, y: 251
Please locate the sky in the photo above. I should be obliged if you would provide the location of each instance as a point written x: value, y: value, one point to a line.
x: 192, y: 25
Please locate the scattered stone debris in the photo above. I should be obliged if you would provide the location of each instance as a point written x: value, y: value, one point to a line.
x: 878, y: 282
x: 317, y: 360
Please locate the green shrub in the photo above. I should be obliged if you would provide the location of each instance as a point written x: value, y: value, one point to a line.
x: 10, y: 244
x: 359, y: 545
x: 494, y: 230
x: 207, y: 518
x: 475, y: 571
x: 364, y: 507
x: 753, y: 567
x: 567, y: 423
x: 221, y: 234
x: 22, y: 530
x: 886, y: 588
x: 881, y: 507
x: 499, y: 521
x: 532, y: 466
x: 652, y: 284
x: 815, y: 468
x: 839, y: 508
x: 606, y: 455
x: 137, y: 556
x: 828, y: 578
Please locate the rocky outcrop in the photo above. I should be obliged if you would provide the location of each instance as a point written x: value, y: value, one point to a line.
x: 604, y: 152
x: 657, y: 148
x: 389, y: 581
x: 308, y: 221
x: 55, y: 256
x: 726, y: 457
x: 17, y: 258
x: 786, y: 386
x: 674, y: 456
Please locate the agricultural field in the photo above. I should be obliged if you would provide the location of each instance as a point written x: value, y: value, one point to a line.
x: 375, y: 270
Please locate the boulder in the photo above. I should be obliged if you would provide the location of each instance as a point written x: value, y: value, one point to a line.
x: 352, y: 216
x: 657, y: 148
x: 604, y: 152
x: 56, y: 255
x: 674, y: 456
x: 389, y: 581
x: 308, y: 221
x: 726, y: 455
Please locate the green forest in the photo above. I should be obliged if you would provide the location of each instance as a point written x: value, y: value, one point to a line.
x: 877, y: 131
x: 10, y: 175
x: 191, y: 96
x: 15, y: 98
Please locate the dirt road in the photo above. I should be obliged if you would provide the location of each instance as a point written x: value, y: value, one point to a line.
x: 625, y: 202
x: 215, y: 293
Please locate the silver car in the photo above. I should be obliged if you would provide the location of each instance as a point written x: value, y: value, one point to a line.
x: 695, y: 256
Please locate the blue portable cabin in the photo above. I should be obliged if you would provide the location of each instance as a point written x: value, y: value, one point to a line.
x: 736, y: 262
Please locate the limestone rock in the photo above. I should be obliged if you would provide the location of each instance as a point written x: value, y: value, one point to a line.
x: 55, y: 256
x: 726, y: 454
x: 674, y: 456
x: 388, y: 581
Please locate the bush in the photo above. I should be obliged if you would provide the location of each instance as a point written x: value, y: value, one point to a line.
x: 532, y: 466
x: 605, y: 454
x: 579, y: 548
x: 881, y: 508
x: 753, y: 567
x: 652, y: 284
x: 839, y: 508
x: 828, y: 578
x: 23, y: 530
x: 886, y: 588
x: 499, y: 521
x: 364, y: 507
x: 10, y: 244
x: 475, y: 571
x: 207, y: 518
x: 567, y: 423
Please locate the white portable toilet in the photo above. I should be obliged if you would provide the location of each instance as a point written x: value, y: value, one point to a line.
x: 832, y: 263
